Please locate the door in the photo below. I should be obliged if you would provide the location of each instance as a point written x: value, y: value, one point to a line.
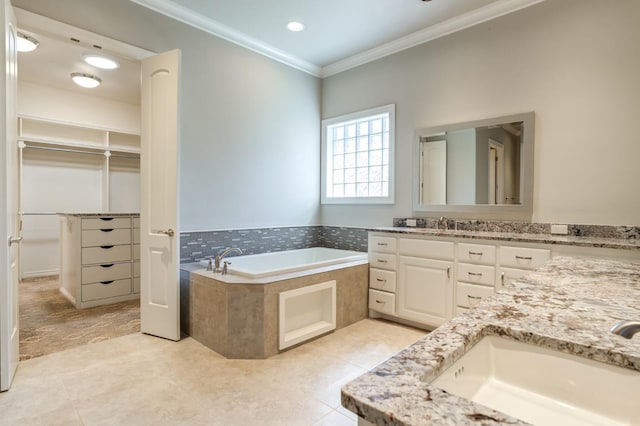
x: 160, y: 286
x: 9, y: 218
x: 424, y: 290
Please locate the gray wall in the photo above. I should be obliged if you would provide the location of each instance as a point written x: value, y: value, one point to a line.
x: 574, y: 62
x: 250, y: 135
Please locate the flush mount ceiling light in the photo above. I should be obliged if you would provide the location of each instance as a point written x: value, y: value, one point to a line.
x: 85, y: 80
x: 101, y: 62
x: 26, y: 43
x: 295, y: 26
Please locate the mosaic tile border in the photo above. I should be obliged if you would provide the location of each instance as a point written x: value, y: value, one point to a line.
x: 598, y: 231
x: 195, y: 246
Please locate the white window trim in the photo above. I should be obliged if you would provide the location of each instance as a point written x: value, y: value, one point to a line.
x: 390, y: 199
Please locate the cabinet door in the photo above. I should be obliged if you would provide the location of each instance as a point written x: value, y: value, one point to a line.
x: 425, y: 293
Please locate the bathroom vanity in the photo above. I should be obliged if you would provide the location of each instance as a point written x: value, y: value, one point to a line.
x: 100, y: 258
x: 566, y: 306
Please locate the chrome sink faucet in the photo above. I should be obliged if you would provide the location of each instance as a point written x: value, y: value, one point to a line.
x: 221, y: 256
x: 626, y: 329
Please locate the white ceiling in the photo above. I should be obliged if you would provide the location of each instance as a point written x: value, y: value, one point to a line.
x: 339, y: 34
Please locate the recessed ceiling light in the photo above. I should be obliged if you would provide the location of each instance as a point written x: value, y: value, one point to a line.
x: 101, y: 62
x: 26, y: 43
x: 85, y: 80
x: 295, y: 26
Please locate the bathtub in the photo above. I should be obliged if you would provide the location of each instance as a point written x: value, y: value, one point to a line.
x: 285, y: 262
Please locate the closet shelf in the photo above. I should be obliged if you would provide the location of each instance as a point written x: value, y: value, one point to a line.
x: 76, y: 147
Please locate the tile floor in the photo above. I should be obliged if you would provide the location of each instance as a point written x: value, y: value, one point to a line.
x: 142, y: 380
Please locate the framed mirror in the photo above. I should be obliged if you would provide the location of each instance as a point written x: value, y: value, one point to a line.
x: 481, y: 169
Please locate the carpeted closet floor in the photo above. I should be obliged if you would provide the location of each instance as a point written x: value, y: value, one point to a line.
x: 49, y: 322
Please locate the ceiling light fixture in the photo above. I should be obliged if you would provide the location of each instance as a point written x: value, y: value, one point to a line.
x: 26, y: 43
x: 295, y: 26
x: 85, y: 80
x: 101, y: 62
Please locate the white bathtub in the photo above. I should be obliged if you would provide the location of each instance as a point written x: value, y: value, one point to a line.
x: 285, y: 262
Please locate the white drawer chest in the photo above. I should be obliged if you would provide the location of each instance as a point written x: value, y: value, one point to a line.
x: 99, y: 258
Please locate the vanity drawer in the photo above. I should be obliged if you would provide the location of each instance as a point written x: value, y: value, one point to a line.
x: 382, y: 244
x: 507, y: 275
x: 426, y: 248
x: 382, y: 302
x: 460, y: 310
x: 105, y: 254
x: 382, y: 280
x: 476, y: 274
x: 105, y: 237
x: 476, y: 253
x: 382, y: 261
x: 106, y: 222
x: 523, y: 257
x: 469, y: 295
x: 99, y: 291
x: 107, y: 272
x: 136, y: 222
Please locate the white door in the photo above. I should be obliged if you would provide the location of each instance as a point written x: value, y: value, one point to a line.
x: 496, y: 172
x: 160, y: 285
x: 434, y: 172
x: 424, y: 292
x: 9, y: 218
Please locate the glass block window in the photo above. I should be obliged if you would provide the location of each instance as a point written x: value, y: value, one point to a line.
x: 357, y: 154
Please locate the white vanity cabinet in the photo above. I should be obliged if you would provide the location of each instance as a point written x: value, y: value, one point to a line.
x: 516, y: 262
x: 97, y: 259
x: 382, y: 274
x: 475, y: 274
x: 425, y: 271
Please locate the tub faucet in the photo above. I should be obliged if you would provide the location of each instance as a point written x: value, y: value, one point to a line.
x: 221, y: 256
x: 626, y: 329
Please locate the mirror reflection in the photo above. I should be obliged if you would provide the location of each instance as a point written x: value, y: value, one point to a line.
x: 478, y: 165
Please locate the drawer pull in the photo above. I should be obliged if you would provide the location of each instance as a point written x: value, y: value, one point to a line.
x: 474, y: 297
x: 106, y: 219
x: 502, y: 279
x: 381, y: 302
x: 106, y: 282
x: 475, y: 274
x: 382, y: 261
x: 383, y: 244
x: 106, y: 247
x: 448, y: 271
x: 475, y: 253
x: 524, y: 257
x: 107, y: 265
x: 380, y: 280
x: 107, y: 229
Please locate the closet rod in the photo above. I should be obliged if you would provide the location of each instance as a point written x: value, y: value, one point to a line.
x: 78, y: 151
x: 39, y: 214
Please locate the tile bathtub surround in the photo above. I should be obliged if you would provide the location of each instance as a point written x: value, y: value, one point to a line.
x: 567, y: 305
x: 594, y: 231
x: 240, y: 321
x: 195, y: 246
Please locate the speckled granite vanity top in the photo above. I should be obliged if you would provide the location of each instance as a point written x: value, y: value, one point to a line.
x: 599, y: 242
x: 568, y: 305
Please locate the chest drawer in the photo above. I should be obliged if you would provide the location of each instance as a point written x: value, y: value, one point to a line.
x: 136, y: 222
x: 99, y: 291
x: 105, y: 237
x: 476, y: 253
x: 469, y: 295
x: 106, y: 222
x: 105, y: 254
x: 382, y: 280
x: 426, y: 248
x: 382, y: 302
x: 523, y: 257
x: 382, y: 261
x: 107, y: 272
x: 382, y: 244
x: 476, y: 274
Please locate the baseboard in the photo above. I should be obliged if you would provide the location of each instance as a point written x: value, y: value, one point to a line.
x: 38, y: 274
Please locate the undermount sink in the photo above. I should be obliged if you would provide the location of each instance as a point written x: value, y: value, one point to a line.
x: 543, y: 386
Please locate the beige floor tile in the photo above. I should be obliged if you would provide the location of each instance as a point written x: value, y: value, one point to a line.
x: 142, y: 380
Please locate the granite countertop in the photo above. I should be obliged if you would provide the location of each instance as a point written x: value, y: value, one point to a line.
x: 568, y: 305
x: 100, y: 214
x: 616, y: 243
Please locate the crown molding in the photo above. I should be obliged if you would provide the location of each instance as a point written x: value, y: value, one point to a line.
x: 450, y: 26
x: 469, y: 19
x: 201, y: 22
